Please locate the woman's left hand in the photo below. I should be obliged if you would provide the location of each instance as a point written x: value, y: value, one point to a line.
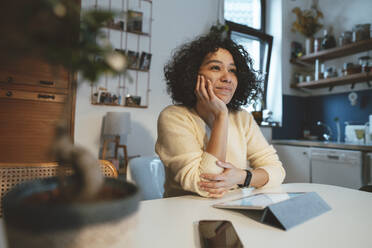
x: 218, y: 184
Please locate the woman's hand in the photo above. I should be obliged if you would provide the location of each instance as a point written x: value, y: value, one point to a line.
x: 219, y: 184
x: 207, y: 102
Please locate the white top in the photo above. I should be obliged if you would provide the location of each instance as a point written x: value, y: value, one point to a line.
x: 172, y: 222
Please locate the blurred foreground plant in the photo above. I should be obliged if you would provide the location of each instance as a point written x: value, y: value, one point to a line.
x: 62, y: 35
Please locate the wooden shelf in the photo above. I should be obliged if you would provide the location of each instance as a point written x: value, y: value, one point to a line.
x: 135, y: 69
x: 131, y: 32
x: 117, y: 105
x: 337, y: 52
x: 331, y: 82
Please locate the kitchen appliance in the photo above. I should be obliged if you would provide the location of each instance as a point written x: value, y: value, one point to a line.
x: 354, y: 133
x: 336, y: 167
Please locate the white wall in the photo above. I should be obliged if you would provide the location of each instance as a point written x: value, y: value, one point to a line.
x: 175, y: 22
x: 342, y: 15
x: 274, y: 27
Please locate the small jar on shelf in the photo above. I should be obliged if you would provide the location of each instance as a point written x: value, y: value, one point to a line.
x: 364, y: 62
x: 329, y: 40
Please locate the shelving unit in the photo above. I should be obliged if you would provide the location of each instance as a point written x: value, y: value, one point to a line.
x: 335, y: 81
x: 338, y: 52
x: 117, y: 105
x: 130, y: 40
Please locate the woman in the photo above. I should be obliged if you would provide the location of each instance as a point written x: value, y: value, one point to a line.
x: 207, y: 143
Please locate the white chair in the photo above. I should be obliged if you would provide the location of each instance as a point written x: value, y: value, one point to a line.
x: 149, y: 175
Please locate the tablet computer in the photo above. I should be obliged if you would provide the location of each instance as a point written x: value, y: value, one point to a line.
x: 257, y: 201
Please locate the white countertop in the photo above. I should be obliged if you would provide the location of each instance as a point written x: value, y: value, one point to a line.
x: 325, y: 144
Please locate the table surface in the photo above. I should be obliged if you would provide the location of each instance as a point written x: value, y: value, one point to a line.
x: 172, y: 222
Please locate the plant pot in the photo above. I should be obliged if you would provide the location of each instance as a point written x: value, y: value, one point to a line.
x: 309, y: 45
x: 101, y: 223
x: 257, y: 115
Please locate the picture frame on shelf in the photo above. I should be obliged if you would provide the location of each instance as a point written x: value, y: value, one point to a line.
x: 133, y: 59
x: 102, y: 92
x: 132, y: 101
x: 134, y: 21
x: 145, y: 61
x: 117, y: 24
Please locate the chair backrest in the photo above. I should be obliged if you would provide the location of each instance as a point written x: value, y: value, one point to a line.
x: 149, y: 175
x: 13, y: 174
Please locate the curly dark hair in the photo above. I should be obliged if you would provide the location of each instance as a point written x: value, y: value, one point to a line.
x: 182, y: 70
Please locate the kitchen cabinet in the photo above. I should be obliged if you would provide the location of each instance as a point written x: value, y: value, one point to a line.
x: 340, y: 164
x: 338, y: 52
x: 34, y: 95
x: 296, y: 162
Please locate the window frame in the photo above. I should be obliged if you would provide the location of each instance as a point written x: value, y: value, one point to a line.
x: 262, y: 37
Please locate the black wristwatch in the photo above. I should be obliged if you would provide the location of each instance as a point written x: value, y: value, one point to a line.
x: 247, y: 180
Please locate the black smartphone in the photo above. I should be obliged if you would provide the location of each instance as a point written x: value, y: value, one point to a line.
x: 218, y: 233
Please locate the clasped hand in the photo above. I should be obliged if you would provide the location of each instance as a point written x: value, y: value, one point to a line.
x: 218, y: 184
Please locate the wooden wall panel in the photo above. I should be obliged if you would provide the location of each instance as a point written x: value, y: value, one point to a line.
x: 27, y: 130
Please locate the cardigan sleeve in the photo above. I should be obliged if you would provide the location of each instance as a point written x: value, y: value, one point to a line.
x: 180, y: 147
x: 262, y: 155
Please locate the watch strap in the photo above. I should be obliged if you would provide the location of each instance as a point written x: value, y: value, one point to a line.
x: 247, y: 180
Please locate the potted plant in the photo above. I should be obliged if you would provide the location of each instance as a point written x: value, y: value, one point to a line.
x: 83, y: 210
x: 308, y: 23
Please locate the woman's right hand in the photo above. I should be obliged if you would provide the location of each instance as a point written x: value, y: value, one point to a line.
x: 207, y: 101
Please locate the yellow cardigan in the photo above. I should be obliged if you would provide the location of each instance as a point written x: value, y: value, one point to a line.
x: 183, y: 137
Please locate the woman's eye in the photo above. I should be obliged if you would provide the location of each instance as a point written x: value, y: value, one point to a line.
x: 233, y: 70
x: 215, y: 67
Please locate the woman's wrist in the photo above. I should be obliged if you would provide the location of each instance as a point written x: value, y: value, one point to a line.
x: 243, y: 175
x: 259, y: 178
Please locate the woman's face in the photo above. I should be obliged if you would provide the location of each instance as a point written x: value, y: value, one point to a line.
x: 220, y: 69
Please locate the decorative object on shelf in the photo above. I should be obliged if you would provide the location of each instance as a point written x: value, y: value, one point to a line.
x: 364, y: 63
x: 346, y: 38
x: 145, y: 61
x: 330, y: 72
x: 328, y: 40
x: 317, y: 44
x: 132, y: 101
x: 307, y: 23
x: 134, y: 21
x: 351, y: 68
x: 133, y: 59
x: 116, y: 24
x: 117, y: 124
x: 309, y: 45
x: 361, y: 32
x: 296, y: 50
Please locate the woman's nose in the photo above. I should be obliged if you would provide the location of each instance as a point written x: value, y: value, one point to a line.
x: 226, y: 77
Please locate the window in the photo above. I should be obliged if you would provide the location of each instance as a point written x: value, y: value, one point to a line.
x: 246, y: 21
